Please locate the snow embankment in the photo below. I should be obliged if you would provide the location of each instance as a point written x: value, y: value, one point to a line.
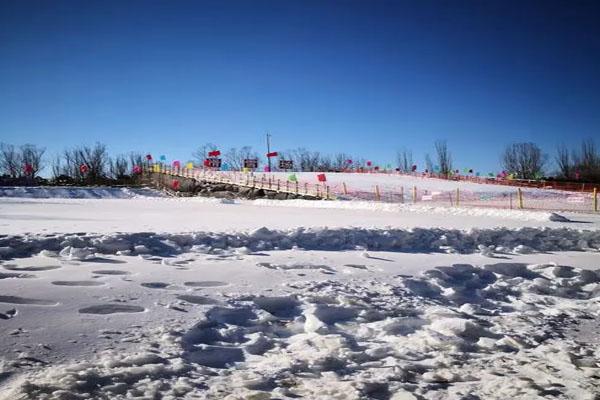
x: 485, y: 241
x: 520, y: 215
x: 74, y: 192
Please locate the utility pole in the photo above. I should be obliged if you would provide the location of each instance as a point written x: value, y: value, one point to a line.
x: 269, y: 149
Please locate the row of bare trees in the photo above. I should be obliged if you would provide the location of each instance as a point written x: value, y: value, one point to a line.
x: 580, y: 164
x: 21, y: 162
x: 100, y: 167
x: 405, y: 162
x: 302, y: 158
x: 24, y: 163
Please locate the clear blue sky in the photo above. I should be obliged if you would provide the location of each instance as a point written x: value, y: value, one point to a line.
x: 363, y: 77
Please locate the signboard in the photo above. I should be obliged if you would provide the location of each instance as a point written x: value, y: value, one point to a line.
x: 286, y: 164
x: 251, y: 163
x: 212, y: 162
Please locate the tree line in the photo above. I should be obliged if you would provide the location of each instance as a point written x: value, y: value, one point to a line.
x: 523, y: 160
x: 78, y: 165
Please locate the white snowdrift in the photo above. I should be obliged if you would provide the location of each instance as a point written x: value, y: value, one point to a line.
x: 485, y: 241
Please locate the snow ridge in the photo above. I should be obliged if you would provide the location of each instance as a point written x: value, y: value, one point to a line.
x: 485, y: 241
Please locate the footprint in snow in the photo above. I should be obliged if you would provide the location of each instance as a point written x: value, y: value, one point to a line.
x: 206, y: 284
x: 78, y: 283
x: 103, y: 309
x: 25, y: 300
x: 110, y: 272
x: 154, y: 285
x: 12, y: 267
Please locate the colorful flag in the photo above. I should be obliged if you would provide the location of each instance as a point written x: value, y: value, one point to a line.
x: 292, y: 178
x: 272, y: 154
x: 190, y: 165
x: 321, y: 178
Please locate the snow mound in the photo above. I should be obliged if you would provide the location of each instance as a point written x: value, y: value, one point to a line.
x: 488, y: 242
x: 74, y: 192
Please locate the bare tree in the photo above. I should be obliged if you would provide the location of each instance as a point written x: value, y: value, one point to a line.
x: 526, y: 160
x: 428, y: 163
x: 57, y: 167
x: 339, y: 161
x: 202, y: 152
x: 119, y: 167
x: 10, y: 160
x: 235, y: 157
x: 444, y: 158
x: 405, y: 160
x: 136, y: 158
x: 564, y: 161
x: 94, y: 158
x: 586, y: 161
x: 32, y: 156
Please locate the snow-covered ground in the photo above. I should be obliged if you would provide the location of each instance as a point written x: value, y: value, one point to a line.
x: 150, y: 297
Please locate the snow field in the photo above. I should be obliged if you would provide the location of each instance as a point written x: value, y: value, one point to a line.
x: 159, y: 298
x: 320, y: 325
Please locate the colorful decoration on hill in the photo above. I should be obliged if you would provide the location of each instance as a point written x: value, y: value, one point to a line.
x: 137, y: 169
x: 369, y: 163
x: 272, y: 154
x: 176, y: 164
x: 292, y: 178
x: 214, y: 153
x: 28, y: 169
x: 175, y: 184
x: 414, y: 168
x: 321, y: 178
x: 190, y: 165
x: 83, y: 168
x: 149, y: 157
x: 163, y: 158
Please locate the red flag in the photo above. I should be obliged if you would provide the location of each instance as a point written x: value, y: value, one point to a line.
x: 28, y: 169
x: 175, y: 184
x: 148, y: 157
x: 272, y: 154
x: 214, y: 153
x: 369, y: 163
x: 207, y: 162
x: 321, y: 178
x: 83, y: 168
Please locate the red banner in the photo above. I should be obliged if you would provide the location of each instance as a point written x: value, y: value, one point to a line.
x: 214, y: 153
x: 272, y: 154
x: 321, y: 178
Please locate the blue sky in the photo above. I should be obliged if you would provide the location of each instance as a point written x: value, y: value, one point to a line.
x: 361, y: 77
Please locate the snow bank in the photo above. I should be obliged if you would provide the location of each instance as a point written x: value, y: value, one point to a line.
x: 453, y: 333
x: 416, y: 208
x: 73, y: 192
x: 486, y: 241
